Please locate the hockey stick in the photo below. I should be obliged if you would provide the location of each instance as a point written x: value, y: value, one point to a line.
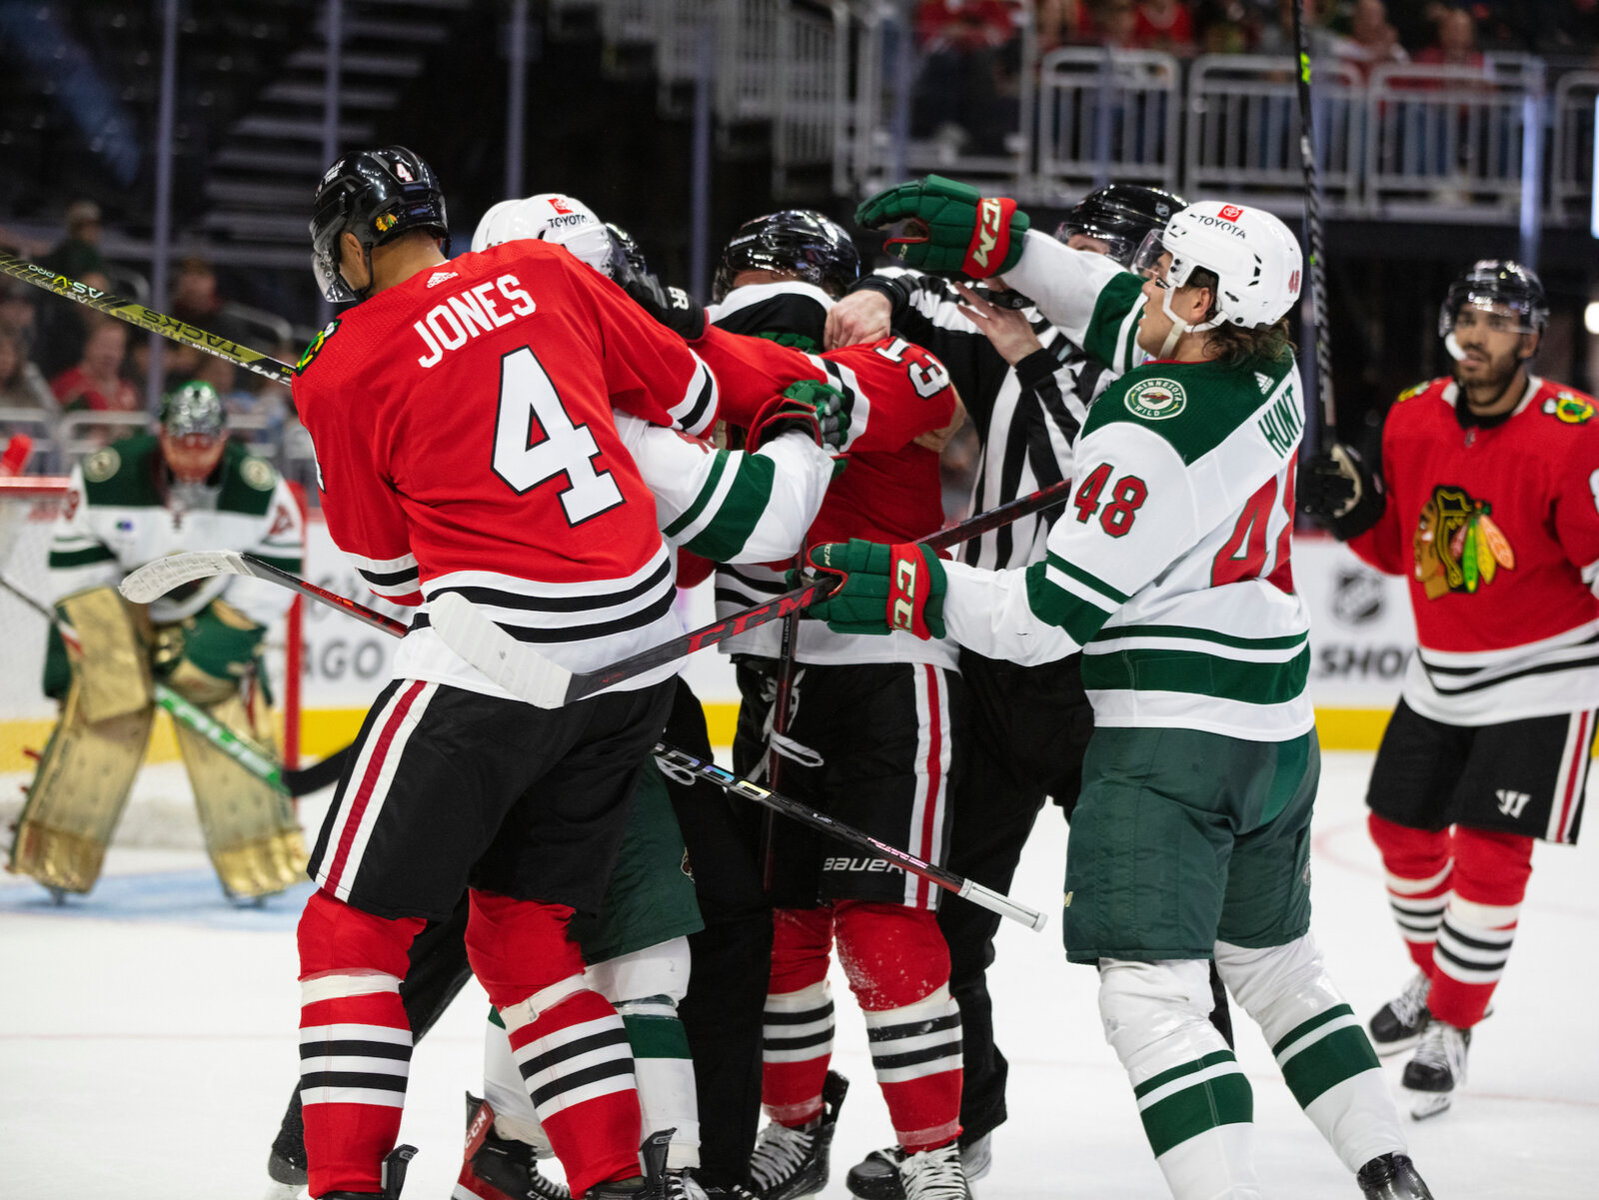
x: 185, y: 712
x: 1318, y: 264
x: 550, y: 685
x: 997, y: 902
x: 135, y: 313
x: 671, y: 756
x: 159, y: 577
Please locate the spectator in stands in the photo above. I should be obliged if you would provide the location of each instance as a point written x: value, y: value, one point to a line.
x: 1372, y: 39
x: 1164, y: 25
x: 1456, y: 44
x: 78, y: 253
x: 966, y: 77
x: 96, y: 383
x: 21, y: 384
x: 17, y: 312
x: 63, y: 328
x: 1116, y: 23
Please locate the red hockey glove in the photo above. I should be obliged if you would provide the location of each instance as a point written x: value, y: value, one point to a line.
x: 949, y: 227
x: 881, y: 588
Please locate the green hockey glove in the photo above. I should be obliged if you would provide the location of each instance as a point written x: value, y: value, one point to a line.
x: 219, y: 647
x: 949, y: 227
x: 819, y: 410
x: 881, y: 588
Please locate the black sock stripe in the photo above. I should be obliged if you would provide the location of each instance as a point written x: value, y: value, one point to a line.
x: 354, y: 1079
x: 616, y: 1069
x: 798, y: 1018
x: 348, y: 1049
x: 553, y: 1057
x: 885, y: 1033
x: 911, y: 1058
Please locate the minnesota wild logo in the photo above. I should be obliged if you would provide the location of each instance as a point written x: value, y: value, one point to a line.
x: 1156, y: 399
x: 315, y: 347
x: 1458, y: 546
x: 1569, y: 408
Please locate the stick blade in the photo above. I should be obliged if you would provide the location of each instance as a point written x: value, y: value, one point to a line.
x: 157, y: 578
x: 519, y: 669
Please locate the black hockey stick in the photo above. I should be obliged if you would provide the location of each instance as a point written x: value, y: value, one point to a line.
x: 673, y: 758
x: 1313, y: 230
x: 135, y: 313
x: 550, y: 685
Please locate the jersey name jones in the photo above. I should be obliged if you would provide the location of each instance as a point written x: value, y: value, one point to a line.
x: 468, y: 314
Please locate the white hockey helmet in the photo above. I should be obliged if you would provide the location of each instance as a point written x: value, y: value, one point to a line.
x: 549, y: 217
x: 1255, y: 257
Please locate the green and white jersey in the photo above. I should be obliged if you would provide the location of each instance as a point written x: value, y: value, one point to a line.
x: 122, y: 512
x: 1169, y: 568
x: 728, y: 505
x: 1092, y: 299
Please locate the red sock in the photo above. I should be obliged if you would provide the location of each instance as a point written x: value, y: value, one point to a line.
x: 797, y: 1032
x: 1419, y: 872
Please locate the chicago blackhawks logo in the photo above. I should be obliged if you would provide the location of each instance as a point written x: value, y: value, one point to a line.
x: 315, y: 347
x: 1156, y: 399
x: 1569, y: 408
x: 1458, y: 546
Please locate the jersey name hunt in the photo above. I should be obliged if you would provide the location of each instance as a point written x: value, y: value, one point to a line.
x: 470, y: 313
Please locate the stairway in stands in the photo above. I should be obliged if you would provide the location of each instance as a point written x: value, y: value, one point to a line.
x: 266, y: 168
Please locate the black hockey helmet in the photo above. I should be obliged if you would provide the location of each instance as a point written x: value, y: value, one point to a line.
x: 629, y: 252
x: 376, y: 195
x: 1492, y: 283
x: 795, y: 239
x: 1121, y: 214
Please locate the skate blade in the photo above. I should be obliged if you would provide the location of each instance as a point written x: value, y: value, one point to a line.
x: 1429, y: 1104
x: 1389, y: 1049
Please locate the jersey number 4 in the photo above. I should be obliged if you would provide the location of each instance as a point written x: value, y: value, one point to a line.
x: 536, y: 440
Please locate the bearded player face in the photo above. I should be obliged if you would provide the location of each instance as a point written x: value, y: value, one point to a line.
x: 1493, y: 345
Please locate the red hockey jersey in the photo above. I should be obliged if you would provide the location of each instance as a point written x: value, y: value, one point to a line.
x: 1497, y: 530
x: 463, y: 428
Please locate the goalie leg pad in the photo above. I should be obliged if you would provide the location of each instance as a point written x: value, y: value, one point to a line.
x: 355, y: 1040
x: 1319, y: 1044
x: 77, y: 796
x: 797, y: 1025
x: 1196, y: 1105
x: 112, y: 663
x: 250, y: 832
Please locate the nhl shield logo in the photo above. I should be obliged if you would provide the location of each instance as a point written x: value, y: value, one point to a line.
x: 1156, y: 399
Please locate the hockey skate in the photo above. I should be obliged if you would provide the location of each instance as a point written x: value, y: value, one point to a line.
x: 288, y: 1178
x: 1391, y: 1177
x: 657, y: 1183
x: 935, y: 1175
x: 791, y: 1163
x: 876, y: 1177
x: 394, y: 1167
x: 1398, y: 1024
x: 1437, y: 1069
x: 496, y: 1168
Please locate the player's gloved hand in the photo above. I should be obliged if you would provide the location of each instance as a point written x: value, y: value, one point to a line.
x: 881, y: 588
x: 1340, y: 492
x: 809, y: 405
x: 949, y: 227
x: 57, y: 666
x: 669, y: 305
x: 218, y: 649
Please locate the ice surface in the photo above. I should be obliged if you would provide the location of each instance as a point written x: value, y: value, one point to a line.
x: 147, y: 1043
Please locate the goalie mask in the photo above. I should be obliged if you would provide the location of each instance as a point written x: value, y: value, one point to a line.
x: 1502, y: 288
x: 377, y: 195
x: 797, y: 240
x: 1121, y: 215
x: 1255, y: 257
x: 550, y: 217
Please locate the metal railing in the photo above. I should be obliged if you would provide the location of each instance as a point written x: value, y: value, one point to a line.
x: 1574, y: 112
x: 1106, y: 115
x: 811, y: 72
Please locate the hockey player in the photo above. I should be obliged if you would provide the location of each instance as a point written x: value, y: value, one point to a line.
x: 185, y: 488
x: 1170, y: 570
x: 1484, y: 497
x: 870, y: 738
x: 1027, y: 388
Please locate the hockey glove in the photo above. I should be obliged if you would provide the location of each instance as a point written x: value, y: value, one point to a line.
x: 814, y: 407
x: 57, y: 666
x: 669, y: 305
x: 1338, y: 491
x: 881, y: 588
x: 219, y: 647
x: 949, y: 227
